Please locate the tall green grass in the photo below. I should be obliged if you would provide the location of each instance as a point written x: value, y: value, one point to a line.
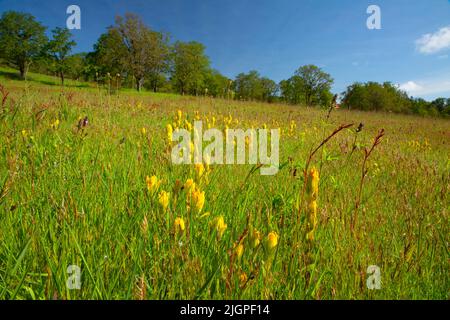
x: 79, y: 197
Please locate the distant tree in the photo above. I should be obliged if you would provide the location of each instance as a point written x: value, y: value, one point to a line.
x: 291, y: 90
x: 373, y: 96
x: 145, y: 51
x: 216, y: 84
x: 440, y: 104
x: 108, y: 55
x: 22, y: 39
x: 190, y: 67
x: 269, y: 89
x: 59, y: 48
x: 130, y: 48
x: 314, y: 84
x: 77, y: 65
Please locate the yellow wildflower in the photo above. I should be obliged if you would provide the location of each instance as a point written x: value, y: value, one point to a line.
x: 198, y: 197
x: 188, y: 125
x: 189, y: 185
x: 163, y: 199
x: 55, y: 124
x: 221, y: 226
x: 199, y: 169
x: 152, y: 183
x: 255, y: 238
x: 243, y: 279
x: 239, y: 250
x: 169, y: 132
x: 312, y: 189
x: 143, y: 131
x: 179, y: 224
x: 272, y: 240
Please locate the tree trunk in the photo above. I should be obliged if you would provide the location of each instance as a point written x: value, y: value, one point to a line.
x: 23, y: 71
x: 139, y: 83
x: 61, y: 76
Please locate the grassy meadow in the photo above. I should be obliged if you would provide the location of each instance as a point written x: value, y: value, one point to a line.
x: 78, y: 194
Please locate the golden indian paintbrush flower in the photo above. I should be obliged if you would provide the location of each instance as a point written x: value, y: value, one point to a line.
x: 242, y: 279
x: 272, y: 240
x: 199, y: 169
x: 143, y: 131
x: 152, y: 183
x: 198, y: 198
x: 255, y: 237
x: 163, y: 199
x: 312, y: 190
x: 179, y: 224
x: 169, y: 130
x: 189, y: 185
x: 312, y: 186
x: 239, y: 250
x: 221, y: 226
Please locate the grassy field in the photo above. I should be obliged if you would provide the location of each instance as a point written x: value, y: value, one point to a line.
x: 79, y: 196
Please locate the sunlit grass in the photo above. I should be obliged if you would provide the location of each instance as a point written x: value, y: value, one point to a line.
x: 79, y: 195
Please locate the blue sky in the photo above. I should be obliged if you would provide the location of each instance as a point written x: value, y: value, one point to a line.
x: 412, y: 48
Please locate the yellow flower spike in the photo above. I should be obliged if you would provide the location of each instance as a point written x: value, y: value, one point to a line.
x: 24, y: 133
x: 272, y: 240
x: 163, y: 199
x: 152, y: 183
x: 221, y: 226
x: 169, y: 132
x: 312, y: 187
x: 179, y: 225
x: 243, y: 279
x: 143, y: 131
x: 179, y: 114
x: 198, y: 198
x: 199, y: 169
x: 189, y: 185
x: 312, y: 213
x: 187, y: 125
x: 239, y: 251
x: 255, y: 238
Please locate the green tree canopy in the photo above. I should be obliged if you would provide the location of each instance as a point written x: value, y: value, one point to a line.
x: 131, y: 48
x: 22, y: 39
x: 309, y: 85
x: 59, y: 48
x: 190, y: 67
x: 373, y: 96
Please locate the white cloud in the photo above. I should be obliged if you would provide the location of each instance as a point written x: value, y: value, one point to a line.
x: 410, y: 87
x: 433, y: 42
x: 427, y: 87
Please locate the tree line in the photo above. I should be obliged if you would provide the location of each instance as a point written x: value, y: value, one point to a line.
x: 131, y: 54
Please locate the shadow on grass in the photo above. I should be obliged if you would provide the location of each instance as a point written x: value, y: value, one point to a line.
x: 12, y: 75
